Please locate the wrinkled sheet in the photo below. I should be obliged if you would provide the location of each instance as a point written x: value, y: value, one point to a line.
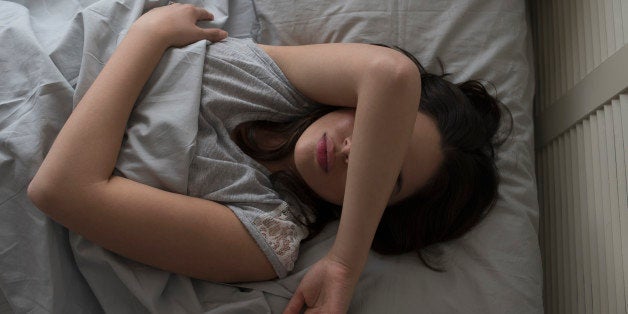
x: 52, y: 50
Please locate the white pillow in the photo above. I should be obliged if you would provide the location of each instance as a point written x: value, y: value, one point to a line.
x: 495, y: 268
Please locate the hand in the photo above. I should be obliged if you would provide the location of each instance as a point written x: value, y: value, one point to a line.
x: 326, y: 288
x: 175, y: 25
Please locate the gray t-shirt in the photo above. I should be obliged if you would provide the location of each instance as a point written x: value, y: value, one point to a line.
x: 242, y: 83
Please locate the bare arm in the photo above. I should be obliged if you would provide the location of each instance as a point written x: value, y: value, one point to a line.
x: 384, y: 86
x: 74, y: 186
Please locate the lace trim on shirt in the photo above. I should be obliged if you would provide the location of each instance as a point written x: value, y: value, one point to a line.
x: 281, y: 233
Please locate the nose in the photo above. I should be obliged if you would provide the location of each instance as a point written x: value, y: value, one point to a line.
x: 346, y: 148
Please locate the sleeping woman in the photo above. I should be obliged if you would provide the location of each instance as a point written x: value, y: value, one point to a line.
x: 404, y: 158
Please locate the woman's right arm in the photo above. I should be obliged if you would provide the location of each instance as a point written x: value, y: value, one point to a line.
x: 384, y: 86
x: 75, y: 186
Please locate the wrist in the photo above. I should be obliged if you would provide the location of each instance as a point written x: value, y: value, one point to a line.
x: 352, y: 243
x: 352, y: 262
x: 147, y: 36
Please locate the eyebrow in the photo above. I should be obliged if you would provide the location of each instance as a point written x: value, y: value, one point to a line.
x: 398, y: 184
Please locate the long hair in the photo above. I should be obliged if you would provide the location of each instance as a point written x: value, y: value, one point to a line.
x: 453, y: 201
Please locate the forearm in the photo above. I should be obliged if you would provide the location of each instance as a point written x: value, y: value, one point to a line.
x: 385, y: 115
x: 86, y: 149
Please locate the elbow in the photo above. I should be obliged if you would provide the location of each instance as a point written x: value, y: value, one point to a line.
x: 52, y: 199
x: 48, y: 196
x: 40, y: 194
x: 393, y: 65
x: 59, y: 196
x: 396, y: 72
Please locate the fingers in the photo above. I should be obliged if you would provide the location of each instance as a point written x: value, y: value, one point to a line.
x: 203, y: 15
x: 211, y: 34
x: 214, y: 34
x: 296, y: 303
x: 192, y: 14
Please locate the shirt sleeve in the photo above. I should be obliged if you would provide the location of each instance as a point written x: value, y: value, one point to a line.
x: 241, y: 82
x: 276, y: 232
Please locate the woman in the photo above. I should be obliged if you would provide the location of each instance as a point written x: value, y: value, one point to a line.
x: 383, y: 152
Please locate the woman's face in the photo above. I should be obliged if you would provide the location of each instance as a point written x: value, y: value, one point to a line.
x: 321, y: 156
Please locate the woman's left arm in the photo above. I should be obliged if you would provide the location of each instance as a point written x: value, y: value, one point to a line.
x: 385, y: 87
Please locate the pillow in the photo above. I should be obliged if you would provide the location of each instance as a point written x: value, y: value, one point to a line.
x: 496, y: 267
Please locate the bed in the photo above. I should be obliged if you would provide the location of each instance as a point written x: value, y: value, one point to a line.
x: 496, y: 268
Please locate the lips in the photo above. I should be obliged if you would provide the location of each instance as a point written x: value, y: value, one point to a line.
x: 321, y: 153
x: 324, y: 153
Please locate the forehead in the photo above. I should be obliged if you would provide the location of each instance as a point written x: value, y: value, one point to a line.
x: 422, y: 159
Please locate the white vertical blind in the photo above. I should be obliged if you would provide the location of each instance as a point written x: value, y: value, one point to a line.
x: 584, y: 212
x: 581, y: 117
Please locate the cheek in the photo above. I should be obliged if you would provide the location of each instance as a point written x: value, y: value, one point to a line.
x: 328, y: 186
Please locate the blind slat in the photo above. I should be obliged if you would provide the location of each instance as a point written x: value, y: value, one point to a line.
x: 601, y: 15
x: 577, y: 222
x: 588, y: 29
x: 618, y: 272
x: 563, y: 238
x: 624, y: 14
x: 582, y: 62
x: 570, y: 33
x: 595, y: 277
x: 568, y: 220
x: 599, y: 215
x: 620, y: 125
x: 606, y: 212
x: 547, y: 245
x: 557, y: 233
x: 584, y: 214
x: 610, y: 26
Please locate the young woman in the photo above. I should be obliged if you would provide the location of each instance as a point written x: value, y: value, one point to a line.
x: 380, y: 142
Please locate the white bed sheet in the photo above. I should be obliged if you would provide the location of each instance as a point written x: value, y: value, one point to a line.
x: 494, y: 269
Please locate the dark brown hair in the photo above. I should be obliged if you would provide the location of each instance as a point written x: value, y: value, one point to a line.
x: 464, y: 188
x: 451, y: 203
